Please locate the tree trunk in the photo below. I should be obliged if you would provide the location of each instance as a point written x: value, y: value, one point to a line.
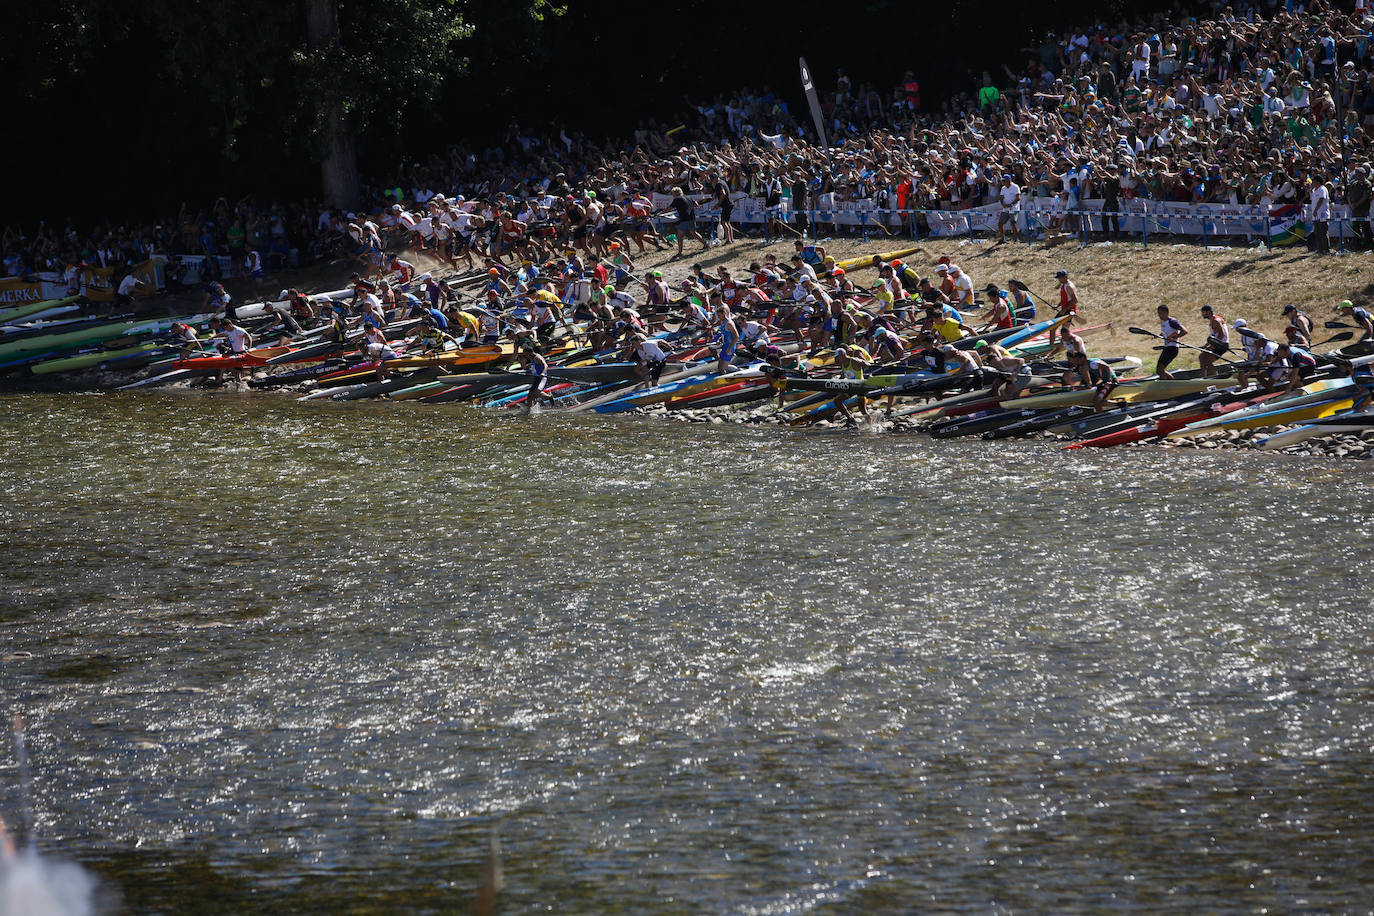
x: 339, y: 170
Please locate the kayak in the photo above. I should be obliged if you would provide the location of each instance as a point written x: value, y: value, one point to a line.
x: 886, y: 256
x: 679, y: 402
x: 14, y: 313
x: 1313, y: 393
x: 603, y: 372
x: 252, y: 358
x: 87, y: 360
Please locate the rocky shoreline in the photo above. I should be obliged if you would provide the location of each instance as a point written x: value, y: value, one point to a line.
x: 1357, y: 446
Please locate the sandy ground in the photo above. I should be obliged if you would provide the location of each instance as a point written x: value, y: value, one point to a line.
x: 1118, y: 284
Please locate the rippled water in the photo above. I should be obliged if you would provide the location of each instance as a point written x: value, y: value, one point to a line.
x: 305, y: 658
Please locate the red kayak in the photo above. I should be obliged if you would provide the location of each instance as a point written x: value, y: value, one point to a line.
x: 689, y: 400
x: 251, y: 359
x: 1165, y: 425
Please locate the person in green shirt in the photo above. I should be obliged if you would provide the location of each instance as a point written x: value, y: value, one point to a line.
x: 988, y: 95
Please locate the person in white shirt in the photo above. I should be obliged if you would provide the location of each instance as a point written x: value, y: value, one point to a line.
x: 1140, y: 66
x: 1009, y: 194
x: 1319, y: 208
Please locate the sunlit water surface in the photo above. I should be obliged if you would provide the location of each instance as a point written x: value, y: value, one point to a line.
x: 307, y: 658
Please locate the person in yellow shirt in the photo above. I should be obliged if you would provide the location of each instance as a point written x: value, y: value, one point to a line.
x: 852, y: 361
x: 882, y: 296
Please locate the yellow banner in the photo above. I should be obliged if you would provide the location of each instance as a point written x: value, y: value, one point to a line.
x: 17, y: 291
x: 98, y: 283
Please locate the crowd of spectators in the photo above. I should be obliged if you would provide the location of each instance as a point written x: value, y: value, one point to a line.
x: 1260, y: 102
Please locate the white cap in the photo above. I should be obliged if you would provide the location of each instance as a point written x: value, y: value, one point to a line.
x: 281, y: 295
x: 1240, y: 323
x: 942, y: 269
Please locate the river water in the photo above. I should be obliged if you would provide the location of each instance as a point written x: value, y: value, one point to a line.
x: 309, y: 658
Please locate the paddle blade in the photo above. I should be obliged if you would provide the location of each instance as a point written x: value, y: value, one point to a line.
x: 1335, y: 324
x: 1142, y: 331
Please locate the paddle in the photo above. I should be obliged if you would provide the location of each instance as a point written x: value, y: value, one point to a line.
x: 1178, y: 343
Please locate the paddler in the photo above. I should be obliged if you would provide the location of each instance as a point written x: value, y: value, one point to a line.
x: 1296, y: 364
x: 537, y: 368
x: 430, y: 339
x: 378, y: 348
x: 649, y: 358
x: 883, y: 340
x: 1359, y: 315
x: 999, y: 316
x: 1171, y: 330
x: 1013, y: 372
x: 545, y: 313
x: 1097, y: 374
x: 1303, y: 324
x: 962, y: 285
x: 852, y: 360
x: 1022, y: 304
x: 1068, y: 295
x: 1218, y: 342
x: 1259, y: 353
x: 727, y: 338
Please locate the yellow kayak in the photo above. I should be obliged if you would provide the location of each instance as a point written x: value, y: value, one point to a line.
x: 867, y: 260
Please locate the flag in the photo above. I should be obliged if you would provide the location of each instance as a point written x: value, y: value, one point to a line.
x: 811, y: 100
x: 1286, y: 226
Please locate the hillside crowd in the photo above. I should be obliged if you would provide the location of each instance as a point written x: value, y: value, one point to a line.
x: 1265, y: 103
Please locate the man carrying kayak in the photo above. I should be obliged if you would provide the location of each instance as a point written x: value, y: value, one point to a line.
x: 1295, y: 363
x: 649, y: 358
x: 1094, y: 373
x: 1170, y: 331
x: 536, y: 367
x: 852, y: 361
x: 1013, y: 372
x: 1000, y: 315
x: 1218, y: 341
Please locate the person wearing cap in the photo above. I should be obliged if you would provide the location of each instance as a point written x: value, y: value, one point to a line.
x: 882, y: 297
x: 217, y: 300
x: 1303, y: 324
x: 1068, y: 295
x: 946, y: 285
x: 1359, y: 315
x: 545, y: 312
x: 1218, y: 341
x: 1260, y: 353
x: 403, y: 270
